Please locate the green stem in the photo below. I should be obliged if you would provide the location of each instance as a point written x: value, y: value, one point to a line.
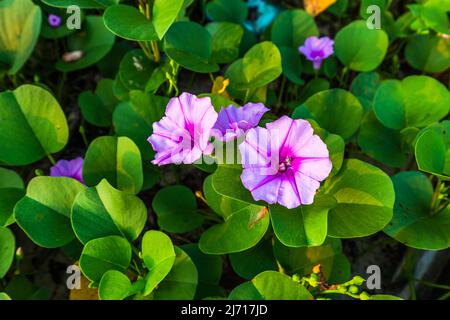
x: 52, y: 160
x: 247, y: 96
x: 280, y: 96
x: 432, y: 285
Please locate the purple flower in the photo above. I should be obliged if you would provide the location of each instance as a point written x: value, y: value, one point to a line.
x: 54, y: 20
x: 284, y: 163
x: 68, y: 168
x: 182, y: 136
x: 234, y: 122
x: 317, y: 49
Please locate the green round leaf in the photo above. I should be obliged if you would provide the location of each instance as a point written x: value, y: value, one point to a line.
x: 337, y: 111
x: 292, y: 27
x: 104, y: 211
x: 226, y: 38
x: 94, y: 41
x: 364, y: 87
x: 220, y: 204
x: 32, y: 125
x: 335, y: 266
x: 44, y: 213
x: 176, y: 209
x: 11, y: 191
x: 4, y: 296
x: 273, y: 285
x: 383, y: 144
x: 432, y: 150
x: 360, y: 48
x: 250, y: 263
x: 97, y: 108
x: 128, y: 23
x: 406, y: 103
x: 21, y: 25
x: 135, y: 70
x: 117, y: 160
x: 209, y: 269
x: 227, y: 11
x: 181, y: 282
x: 292, y: 65
x: 305, y: 226
x: 159, y: 257
x: 104, y: 254
x: 428, y: 53
x: 260, y: 66
x: 241, y: 230
x: 114, y: 286
x: 190, y: 45
x: 134, y: 119
x: 7, y: 250
x: 245, y: 291
x: 413, y: 223
x: 365, y: 200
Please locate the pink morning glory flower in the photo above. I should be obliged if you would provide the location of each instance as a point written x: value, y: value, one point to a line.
x: 234, y: 122
x: 183, y: 134
x: 68, y: 168
x: 54, y: 20
x: 284, y: 163
x: 317, y: 49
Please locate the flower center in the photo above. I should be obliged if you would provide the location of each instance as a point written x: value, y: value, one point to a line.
x: 285, y: 164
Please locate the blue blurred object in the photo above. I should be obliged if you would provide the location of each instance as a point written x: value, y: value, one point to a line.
x: 266, y: 13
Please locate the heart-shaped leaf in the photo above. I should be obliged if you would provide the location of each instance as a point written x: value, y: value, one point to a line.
x: 414, y: 224
x: 336, y: 110
x: 244, y: 265
x: 292, y: 27
x: 21, y: 25
x: 190, y: 45
x: 401, y: 104
x: 181, y: 282
x: 260, y: 66
x: 114, y: 286
x: 7, y: 250
x: 32, y: 125
x: 272, y: 285
x: 176, y: 209
x: 104, y: 254
x: 381, y: 143
x: 44, y: 213
x: 360, y: 48
x: 428, y: 53
x: 334, y: 264
x: 117, y: 160
x: 11, y: 191
x: 432, y: 150
x: 97, y: 108
x: 365, y: 200
x: 305, y: 226
x: 159, y: 257
x: 104, y: 211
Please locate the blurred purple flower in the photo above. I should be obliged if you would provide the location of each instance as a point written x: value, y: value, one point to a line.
x: 68, y: 168
x: 54, y: 20
x: 284, y: 163
x: 182, y: 135
x: 317, y: 49
x: 234, y: 122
